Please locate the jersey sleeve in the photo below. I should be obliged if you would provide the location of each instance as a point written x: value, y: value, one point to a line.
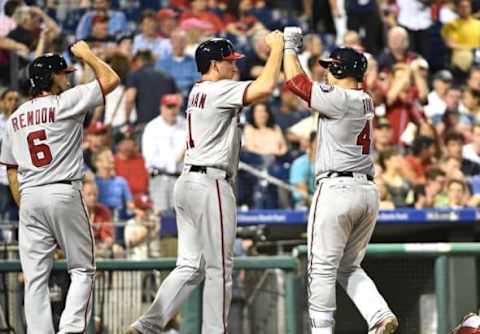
x: 328, y: 100
x: 6, y: 152
x: 81, y: 99
x: 230, y: 94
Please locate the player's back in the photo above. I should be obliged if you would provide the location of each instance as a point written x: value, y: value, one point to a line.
x: 44, y: 136
x: 213, y: 137
x: 344, y: 129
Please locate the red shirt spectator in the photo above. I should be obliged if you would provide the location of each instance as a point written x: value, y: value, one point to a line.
x: 199, y: 11
x: 102, y: 220
x: 131, y: 165
x: 417, y: 163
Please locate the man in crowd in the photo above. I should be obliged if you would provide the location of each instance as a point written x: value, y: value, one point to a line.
x: 145, y: 88
x: 116, y: 24
x: 163, y: 146
x: 178, y: 65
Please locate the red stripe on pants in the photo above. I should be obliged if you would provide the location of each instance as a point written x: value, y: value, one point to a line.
x: 223, y: 255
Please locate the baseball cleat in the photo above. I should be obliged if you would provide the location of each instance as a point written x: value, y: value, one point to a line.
x: 387, y: 326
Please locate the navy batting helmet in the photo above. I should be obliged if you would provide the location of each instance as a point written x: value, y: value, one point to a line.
x: 214, y: 49
x: 41, y: 70
x: 346, y: 62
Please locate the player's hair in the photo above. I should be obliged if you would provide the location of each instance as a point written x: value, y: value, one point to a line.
x: 147, y: 14
x: 10, y: 7
x: 454, y: 136
x: 270, y: 121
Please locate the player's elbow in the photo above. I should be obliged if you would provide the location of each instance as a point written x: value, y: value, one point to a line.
x: 110, y: 82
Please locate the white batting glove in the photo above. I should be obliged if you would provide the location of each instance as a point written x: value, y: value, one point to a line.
x: 293, y: 38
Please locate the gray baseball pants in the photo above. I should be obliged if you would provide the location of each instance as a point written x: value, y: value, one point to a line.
x: 52, y: 215
x: 206, y: 221
x: 341, y: 222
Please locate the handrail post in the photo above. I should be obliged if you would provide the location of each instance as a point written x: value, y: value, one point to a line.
x: 441, y: 292
x: 291, y: 303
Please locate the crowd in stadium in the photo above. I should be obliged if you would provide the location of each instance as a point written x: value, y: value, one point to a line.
x: 423, y: 73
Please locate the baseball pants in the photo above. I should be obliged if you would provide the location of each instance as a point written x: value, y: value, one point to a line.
x: 52, y: 215
x: 206, y: 222
x: 341, y: 222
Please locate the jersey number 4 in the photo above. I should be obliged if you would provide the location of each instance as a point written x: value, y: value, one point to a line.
x: 363, y: 138
x: 40, y: 153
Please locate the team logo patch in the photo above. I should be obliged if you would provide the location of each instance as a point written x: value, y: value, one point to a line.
x: 326, y: 88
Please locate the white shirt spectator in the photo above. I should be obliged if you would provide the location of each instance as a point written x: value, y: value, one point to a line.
x: 435, y: 105
x: 413, y: 15
x: 163, y: 144
x: 160, y: 47
x: 470, y: 153
x: 115, y: 108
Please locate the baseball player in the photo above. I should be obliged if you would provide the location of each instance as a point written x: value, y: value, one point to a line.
x: 204, y: 198
x: 338, y: 234
x: 42, y: 151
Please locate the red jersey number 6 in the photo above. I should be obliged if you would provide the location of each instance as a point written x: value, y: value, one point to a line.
x: 40, y: 153
x: 363, y: 138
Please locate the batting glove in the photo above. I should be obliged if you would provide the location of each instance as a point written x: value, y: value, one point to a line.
x: 293, y: 38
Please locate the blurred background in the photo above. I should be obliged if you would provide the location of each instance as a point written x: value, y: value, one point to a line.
x: 424, y: 76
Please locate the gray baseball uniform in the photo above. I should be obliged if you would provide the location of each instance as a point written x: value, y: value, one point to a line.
x: 43, y: 139
x: 338, y: 234
x: 206, y: 209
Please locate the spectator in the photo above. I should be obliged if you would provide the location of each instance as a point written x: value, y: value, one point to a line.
x: 433, y: 192
x: 197, y: 31
x: 470, y: 104
x: 101, y: 219
x: 302, y: 175
x: 117, y: 22
x: 397, y: 185
x: 262, y: 135
x: 442, y: 81
x: 199, y: 11
x: 178, y: 65
x: 472, y: 151
x: 163, y: 145
x: 30, y: 22
x: 241, y: 21
x: 125, y: 45
x: 473, y: 80
x: 148, y: 38
x: 415, y: 16
x: 385, y: 198
x: 364, y: 15
x: 462, y: 35
x: 7, y: 23
x: 141, y: 230
x: 115, y: 111
x: 129, y: 163
x: 382, y: 137
x: 113, y: 191
x: 457, y: 193
x: 255, y: 60
x: 145, y: 88
x: 167, y: 22
x: 452, y: 167
x: 99, y: 37
x: 454, y: 142
x: 95, y: 141
x: 317, y: 72
x: 421, y: 158
x: 312, y: 46
x: 351, y: 39
x: 289, y: 112
x: 397, y: 50
x: 408, y: 87
x: 8, y: 103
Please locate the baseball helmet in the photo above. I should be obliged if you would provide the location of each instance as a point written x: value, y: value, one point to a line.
x: 214, y: 49
x: 346, y: 62
x: 41, y: 69
x: 469, y: 325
